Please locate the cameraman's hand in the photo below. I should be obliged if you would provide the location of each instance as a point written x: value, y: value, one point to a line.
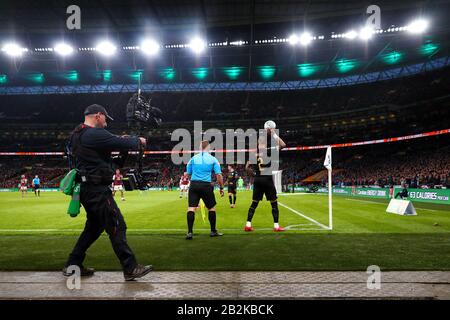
x: 143, y: 142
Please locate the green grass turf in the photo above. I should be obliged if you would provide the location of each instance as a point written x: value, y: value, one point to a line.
x: 36, y: 234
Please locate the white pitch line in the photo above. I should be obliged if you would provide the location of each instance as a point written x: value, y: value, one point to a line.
x: 365, y: 201
x: 302, y: 215
x: 301, y: 227
x: 385, y: 204
x: 427, y: 209
x: 128, y: 230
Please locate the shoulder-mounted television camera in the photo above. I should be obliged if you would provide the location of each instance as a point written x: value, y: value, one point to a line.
x: 141, y: 112
x: 141, y: 116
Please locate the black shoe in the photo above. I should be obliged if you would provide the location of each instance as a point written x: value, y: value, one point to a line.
x: 84, y: 272
x: 138, y: 272
x: 189, y: 236
x: 215, y: 234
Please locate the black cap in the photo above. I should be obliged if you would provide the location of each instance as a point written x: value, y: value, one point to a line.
x: 96, y: 108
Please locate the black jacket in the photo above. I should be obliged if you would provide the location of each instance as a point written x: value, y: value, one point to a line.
x: 94, y: 155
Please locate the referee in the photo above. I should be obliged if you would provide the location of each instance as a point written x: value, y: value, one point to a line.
x: 37, y: 186
x: 199, y: 168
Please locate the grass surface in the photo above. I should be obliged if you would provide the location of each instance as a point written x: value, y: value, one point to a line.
x: 36, y: 234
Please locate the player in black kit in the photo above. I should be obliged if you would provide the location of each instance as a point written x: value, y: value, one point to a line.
x: 263, y: 183
x: 232, y: 178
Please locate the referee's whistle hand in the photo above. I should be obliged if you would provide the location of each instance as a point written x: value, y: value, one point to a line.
x: 222, y: 193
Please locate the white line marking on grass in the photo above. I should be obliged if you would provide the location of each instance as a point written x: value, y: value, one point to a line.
x: 128, y: 230
x: 293, y: 194
x: 300, y: 228
x: 385, y: 204
x: 427, y: 209
x: 302, y: 215
x: 365, y: 201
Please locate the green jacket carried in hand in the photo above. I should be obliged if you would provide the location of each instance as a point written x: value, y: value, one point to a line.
x: 71, y: 187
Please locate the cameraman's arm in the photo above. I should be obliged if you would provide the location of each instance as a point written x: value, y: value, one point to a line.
x: 102, y: 139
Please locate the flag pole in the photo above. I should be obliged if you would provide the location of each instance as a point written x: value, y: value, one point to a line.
x: 328, y: 163
x: 330, y: 202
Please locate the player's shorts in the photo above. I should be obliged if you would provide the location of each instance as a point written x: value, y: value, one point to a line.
x: 184, y: 187
x: 23, y: 188
x: 36, y: 186
x: 201, y: 190
x: 231, y: 188
x: 118, y: 187
x: 264, y: 186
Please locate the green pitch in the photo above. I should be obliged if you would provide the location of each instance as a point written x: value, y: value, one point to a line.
x: 37, y: 234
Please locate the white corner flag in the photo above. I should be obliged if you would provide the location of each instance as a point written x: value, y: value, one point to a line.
x: 327, y: 162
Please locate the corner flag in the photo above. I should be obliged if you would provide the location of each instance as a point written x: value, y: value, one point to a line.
x: 327, y: 162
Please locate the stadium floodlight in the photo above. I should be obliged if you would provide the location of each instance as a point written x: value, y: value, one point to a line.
x: 352, y: 34
x: 13, y: 49
x: 417, y: 26
x: 305, y: 38
x: 63, y: 49
x: 106, y: 48
x: 366, y: 33
x: 197, y: 45
x: 150, y: 47
x: 293, y: 39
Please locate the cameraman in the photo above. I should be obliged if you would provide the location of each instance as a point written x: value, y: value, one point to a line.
x: 91, y: 146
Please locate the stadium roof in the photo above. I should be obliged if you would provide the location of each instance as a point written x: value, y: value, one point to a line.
x: 38, y: 27
x: 29, y: 16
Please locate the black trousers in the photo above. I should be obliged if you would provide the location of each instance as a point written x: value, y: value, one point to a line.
x: 102, y: 215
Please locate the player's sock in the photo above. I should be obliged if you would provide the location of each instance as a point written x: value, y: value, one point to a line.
x: 251, y: 210
x: 230, y: 199
x: 275, y: 212
x: 248, y: 224
x: 234, y: 199
x: 39, y: 193
x: 276, y: 225
x: 190, y: 220
x: 212, y: 220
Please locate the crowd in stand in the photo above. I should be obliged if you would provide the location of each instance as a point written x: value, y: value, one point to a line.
x: 382, y: 166
x: 416, y: 168
x: 378, y: 110
x: 235, y: 105
x: 50, y: 172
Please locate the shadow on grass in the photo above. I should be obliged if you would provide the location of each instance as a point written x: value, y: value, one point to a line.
x: 248, y: 252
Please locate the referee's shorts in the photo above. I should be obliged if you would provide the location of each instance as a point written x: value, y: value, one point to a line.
x: 201, y: 190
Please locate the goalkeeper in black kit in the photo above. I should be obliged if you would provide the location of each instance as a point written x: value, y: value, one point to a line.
x: 263, y: 182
